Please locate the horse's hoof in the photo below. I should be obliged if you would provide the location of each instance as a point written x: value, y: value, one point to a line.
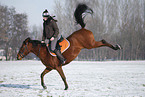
x: 66, y: 88
x: 118, y: 47
x: 44, y: 87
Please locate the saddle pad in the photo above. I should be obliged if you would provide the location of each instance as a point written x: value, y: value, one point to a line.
x: 64, y: 46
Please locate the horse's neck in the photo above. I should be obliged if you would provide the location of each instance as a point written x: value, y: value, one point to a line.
x: 35, y: 50
x: 40, y: 51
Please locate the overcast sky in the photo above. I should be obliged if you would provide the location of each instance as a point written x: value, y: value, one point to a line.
x: 33, y: 8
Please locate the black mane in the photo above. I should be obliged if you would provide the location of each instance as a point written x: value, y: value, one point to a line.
x: 36, y: 42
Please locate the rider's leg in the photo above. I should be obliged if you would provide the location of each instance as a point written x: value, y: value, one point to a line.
x: 57, y: 52
x: 53, y: 44
x: 60, y: 56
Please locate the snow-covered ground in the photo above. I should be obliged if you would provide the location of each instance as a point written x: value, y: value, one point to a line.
x: 85, y: 79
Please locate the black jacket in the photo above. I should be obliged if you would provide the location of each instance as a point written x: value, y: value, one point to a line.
x: 50, y: 29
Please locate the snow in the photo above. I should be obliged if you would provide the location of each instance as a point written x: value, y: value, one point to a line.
x: 87, y: 79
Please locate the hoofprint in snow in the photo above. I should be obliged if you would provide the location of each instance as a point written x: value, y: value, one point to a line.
x: 89, y: 79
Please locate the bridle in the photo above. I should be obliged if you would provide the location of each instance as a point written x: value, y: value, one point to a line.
x: 21, y: 53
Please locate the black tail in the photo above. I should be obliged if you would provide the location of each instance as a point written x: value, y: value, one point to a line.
x: 81, y: 8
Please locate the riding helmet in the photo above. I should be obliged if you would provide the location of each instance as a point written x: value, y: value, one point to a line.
x: 45, y: 13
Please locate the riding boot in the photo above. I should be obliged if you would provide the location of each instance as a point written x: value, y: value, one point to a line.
x: 60, y: 56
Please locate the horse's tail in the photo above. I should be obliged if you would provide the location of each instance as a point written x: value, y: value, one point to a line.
x: 81, y: 8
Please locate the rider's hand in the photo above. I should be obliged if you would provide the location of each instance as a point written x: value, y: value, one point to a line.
x: 42, y: 42
x: 52, y: 38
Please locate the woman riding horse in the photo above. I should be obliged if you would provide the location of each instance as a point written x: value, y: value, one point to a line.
x: 51, y: 32
x: 80, y: 39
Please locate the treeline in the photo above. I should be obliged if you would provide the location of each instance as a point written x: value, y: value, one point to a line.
x: 13, y: 30
x: 117, y: 21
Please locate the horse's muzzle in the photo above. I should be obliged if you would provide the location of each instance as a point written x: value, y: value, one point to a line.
x: 19, y: 57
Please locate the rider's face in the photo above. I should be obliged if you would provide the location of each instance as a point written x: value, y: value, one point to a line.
x: 45, y: 18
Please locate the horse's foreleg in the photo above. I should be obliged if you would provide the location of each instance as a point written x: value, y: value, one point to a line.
x: 104, y: 43
x: 42, y: 76
x: 60, y: 71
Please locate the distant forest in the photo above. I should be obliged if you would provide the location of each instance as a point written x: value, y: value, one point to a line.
x: 117, y: 21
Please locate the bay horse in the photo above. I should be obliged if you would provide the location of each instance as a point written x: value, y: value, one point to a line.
x: 80, y: 39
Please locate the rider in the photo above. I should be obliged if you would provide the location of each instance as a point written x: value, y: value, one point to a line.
x: 51, y: 32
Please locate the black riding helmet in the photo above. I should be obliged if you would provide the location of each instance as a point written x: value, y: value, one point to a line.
x: 45, y: 13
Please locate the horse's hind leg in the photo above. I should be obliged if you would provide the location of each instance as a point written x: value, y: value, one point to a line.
x: 60, y: 71
x: 101, y: 43
x: 42, y: 76
x: 116, y: 47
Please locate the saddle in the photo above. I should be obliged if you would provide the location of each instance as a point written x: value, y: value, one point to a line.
x: 62, y: 45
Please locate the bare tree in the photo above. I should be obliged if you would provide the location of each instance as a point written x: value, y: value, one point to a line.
x: 14, y: 29
x: 116, y: 21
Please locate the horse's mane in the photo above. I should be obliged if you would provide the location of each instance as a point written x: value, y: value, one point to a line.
x: 36, y: 42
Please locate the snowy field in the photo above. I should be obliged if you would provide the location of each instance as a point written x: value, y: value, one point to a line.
x: 85, y: 79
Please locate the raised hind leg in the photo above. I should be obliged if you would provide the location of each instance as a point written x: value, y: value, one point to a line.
x: 60, y: 71
x: 42, y: 76
x: 116, y: 47
x: 101, y: 43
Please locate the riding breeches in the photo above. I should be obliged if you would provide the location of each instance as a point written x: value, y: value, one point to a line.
x: 54, y: 42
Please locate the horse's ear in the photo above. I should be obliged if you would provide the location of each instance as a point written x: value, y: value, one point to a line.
x: 27, y: 39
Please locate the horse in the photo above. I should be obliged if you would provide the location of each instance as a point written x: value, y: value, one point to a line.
x: 79, y: 40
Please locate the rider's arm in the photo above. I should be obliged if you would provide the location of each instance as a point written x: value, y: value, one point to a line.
x: 55, y: 28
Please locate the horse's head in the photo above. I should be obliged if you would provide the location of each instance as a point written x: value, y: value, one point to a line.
x: 24, y: 50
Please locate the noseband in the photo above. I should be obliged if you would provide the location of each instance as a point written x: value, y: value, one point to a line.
x: 21, y: 53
